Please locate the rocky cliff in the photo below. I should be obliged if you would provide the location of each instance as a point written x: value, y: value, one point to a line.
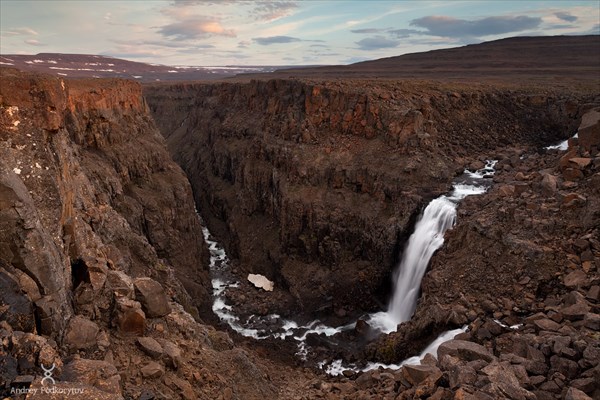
x: 102, y: 261
x: 317, y: 184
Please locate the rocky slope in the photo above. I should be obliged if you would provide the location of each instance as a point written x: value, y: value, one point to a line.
x: 317, y: 184
x: 102, y: 263
x: 526, y: 254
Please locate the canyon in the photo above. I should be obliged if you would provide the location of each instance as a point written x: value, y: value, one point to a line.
x: 315, y: 181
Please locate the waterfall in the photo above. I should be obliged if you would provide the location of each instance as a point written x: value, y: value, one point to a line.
x: 428, y: 236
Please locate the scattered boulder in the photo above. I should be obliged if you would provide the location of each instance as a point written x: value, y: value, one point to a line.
x: 464, y: 350
x: 415, y: 374
x: 130, y: 318
x: 589, y: 130
x: 171, y: 354
x: 152, y: 370
x: 576, y: 394
x: 81, y: 333
x: 576, y: 279
x: 150, y: 346
x: 100, y: 374
x: 152, y: 297
x: 546, y: 324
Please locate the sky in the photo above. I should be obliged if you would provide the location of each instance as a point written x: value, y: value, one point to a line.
x: 309, y: 32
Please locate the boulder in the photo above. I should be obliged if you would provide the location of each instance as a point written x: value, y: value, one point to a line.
x: 415, y: 374
x: 568, y: 368
x: 152, y: 370
x: 464, y: 350
x: 81, y: 333
x: 171, y: 354
x: 573, y: 200
x: 129, y: 317
x: 589, y: 130
x: 576, y: 394
x: 100, y: 374
x: 594, y: 293
x: 576, y: 279
x: 150, y: 346
x: 546, y: 324
x: 120, y: 283
x: 580, y: 162
x: 460, y: 375
x: 592, y: 321
x: 575, y: 311
x: 504, y: 382
x: 549, y: 185
x: 152, y: 297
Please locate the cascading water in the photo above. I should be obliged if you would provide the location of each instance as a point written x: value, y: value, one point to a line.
x: 428, y: 236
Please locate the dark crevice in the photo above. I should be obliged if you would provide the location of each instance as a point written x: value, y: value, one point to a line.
x: 79, y: 273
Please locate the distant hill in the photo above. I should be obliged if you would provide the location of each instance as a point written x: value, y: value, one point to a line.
x: 90, y: 66
x: 572, y: 57
x: 542, y: 58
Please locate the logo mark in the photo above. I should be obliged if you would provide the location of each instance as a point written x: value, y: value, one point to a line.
x: 48, y: 374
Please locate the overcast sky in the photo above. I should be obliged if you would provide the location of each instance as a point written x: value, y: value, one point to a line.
x: 234, y: 32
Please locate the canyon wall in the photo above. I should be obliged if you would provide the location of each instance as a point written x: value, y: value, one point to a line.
x: 317, y: 184
x: 101, y: 252
x: 88, y: 187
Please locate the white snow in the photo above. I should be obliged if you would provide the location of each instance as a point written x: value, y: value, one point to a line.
x: 261, y: 282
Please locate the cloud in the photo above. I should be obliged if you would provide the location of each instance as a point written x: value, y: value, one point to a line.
x: 565, y: 16
x: 20, y: 31
x: 265, y: 10
x: 272, y: 10
x: 266, y: 41
x: 195, y: 27
x: 404, y: 33
x: 160, y: 43
x: 367, y: 30
x: 34, y: 42
x: 452, y: 27
x: 244, y: 44
x: 377, y: 42
x: 107, y: 16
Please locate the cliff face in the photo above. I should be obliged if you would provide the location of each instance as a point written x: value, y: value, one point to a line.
x: 87, y: 187
x: 316, y: 185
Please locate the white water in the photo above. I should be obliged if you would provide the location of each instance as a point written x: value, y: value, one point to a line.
x: 428, y: 236
x: 437, y: 218
x: 564, y: 145
x: 337, y: 367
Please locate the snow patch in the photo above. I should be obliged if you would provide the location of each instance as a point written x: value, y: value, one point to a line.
x: 261, y: 282
x: 17, y: 171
